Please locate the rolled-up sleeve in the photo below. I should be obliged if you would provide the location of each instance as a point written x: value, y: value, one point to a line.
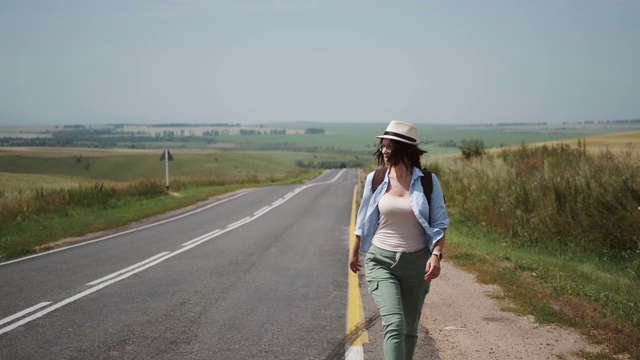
x: 438, y: 210
x: 364, y: 205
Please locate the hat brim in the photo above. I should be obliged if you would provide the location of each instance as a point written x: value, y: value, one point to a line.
x: 397, y: 139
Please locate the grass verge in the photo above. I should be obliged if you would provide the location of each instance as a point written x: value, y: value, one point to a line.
x: 586, y: 292
x: 44, y: 232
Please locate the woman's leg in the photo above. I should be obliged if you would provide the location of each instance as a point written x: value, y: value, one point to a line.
x: 385, y: 289
x: 413, y: 290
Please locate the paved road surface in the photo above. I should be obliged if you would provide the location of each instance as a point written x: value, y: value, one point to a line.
x: 261, y: 275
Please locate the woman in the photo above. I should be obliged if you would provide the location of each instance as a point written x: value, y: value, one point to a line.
x: 403, y: 247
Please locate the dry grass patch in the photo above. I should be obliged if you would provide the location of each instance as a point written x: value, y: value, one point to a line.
x: 16, y: 183
x: 618, y: 142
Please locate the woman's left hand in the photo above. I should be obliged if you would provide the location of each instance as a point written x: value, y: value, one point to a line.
x: 433, y: 268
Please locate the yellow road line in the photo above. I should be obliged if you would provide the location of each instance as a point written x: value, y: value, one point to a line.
x: 356, y: 331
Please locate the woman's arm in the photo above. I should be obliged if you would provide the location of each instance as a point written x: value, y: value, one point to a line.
x: 354, y: 262
x: 433, y: 264
x: 367, y: 193
x: 354, y: 258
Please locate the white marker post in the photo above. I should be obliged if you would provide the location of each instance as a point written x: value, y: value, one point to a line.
x: 166, y: 156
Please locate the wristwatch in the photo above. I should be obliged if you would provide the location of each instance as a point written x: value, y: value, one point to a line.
x: 438, y: 254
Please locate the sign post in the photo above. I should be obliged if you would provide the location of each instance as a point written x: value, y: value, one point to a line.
x: 166, y: 156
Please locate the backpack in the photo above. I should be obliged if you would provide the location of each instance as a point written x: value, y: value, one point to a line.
x: 426, y: 181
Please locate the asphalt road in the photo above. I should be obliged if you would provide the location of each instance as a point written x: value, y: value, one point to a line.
x: 261, y: 275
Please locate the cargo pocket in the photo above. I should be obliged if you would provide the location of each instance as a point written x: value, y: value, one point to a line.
x: 369, y: 257
x: 427, y: 286
x: 373, y: 286
x: 369, y: 265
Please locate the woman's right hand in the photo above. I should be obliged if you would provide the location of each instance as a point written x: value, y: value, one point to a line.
x: 354, y: 259
x: 354, y: 263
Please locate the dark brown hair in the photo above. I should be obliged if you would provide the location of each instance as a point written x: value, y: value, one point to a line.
x: 404, y: 153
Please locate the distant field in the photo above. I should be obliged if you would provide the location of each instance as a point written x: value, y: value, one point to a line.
x: 25, y: 168
x: 22, y: 168
x: 337, y: 137
x: 433, y: 138
x: 58, y: 152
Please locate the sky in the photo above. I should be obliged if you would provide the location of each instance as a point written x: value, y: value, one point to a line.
x: 261, y: 61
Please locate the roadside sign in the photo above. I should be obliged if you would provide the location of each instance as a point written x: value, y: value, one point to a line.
x: 166, y: 156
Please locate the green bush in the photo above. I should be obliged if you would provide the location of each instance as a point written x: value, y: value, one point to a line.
x: 472, y: 148
x: 553, y: 196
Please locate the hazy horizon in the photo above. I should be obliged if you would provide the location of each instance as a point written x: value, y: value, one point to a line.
x: 250, y: 61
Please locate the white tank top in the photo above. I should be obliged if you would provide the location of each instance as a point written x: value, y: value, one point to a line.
x: 398, y: 229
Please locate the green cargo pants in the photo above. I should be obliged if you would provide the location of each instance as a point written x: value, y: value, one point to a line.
x: 396, y: 282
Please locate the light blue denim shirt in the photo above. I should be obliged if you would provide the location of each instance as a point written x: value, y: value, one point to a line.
x: 368, y: 214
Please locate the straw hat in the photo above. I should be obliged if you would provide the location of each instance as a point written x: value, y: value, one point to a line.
x: 401, y: 131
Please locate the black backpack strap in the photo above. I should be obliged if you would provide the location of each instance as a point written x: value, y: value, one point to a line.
x: 427, y: 188
x: 378, y: 176
x: 427, y: 185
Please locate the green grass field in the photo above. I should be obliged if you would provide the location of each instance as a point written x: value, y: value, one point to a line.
x: 598, y: 298
x: 63, y: 167
x: 16, y: 183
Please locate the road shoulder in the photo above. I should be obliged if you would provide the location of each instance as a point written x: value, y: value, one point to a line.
x: 464, y: 319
